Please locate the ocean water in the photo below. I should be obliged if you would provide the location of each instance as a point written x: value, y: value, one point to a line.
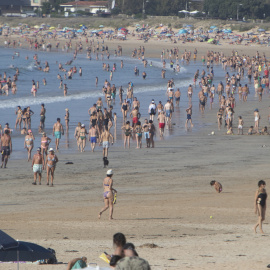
x: 83, y: 93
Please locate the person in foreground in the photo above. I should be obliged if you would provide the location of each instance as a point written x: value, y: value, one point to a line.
x: 260, y: 204
x: 119, y: 240
x: 131, y: 260
x: 108, y: 194
x: 77, y: 263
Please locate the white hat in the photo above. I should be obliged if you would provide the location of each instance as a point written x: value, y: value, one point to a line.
x: 110, y: 172
x: 82, y: 125
x: 51, y: 150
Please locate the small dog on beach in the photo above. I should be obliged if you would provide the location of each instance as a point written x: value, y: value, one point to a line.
x: 105, y: 162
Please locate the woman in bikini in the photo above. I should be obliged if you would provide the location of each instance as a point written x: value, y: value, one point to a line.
x: 108, y: 194
x: 45, y: 141
x: 82, y: 138
x: 260, y: 204
x: 29, y: 143
x: 127, y: 133
x: 138, y: 130
x: 51, y: 161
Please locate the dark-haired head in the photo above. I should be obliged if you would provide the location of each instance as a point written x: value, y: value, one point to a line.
x: 212, y: 182
x: 119, y: 239
x: 261, y: 183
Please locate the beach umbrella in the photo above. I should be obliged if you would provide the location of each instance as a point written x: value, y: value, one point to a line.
x: 16, y: 251
x: 79, y: 31
x: 213, y: 27
x: 101, y: 26
x: 25, y: 251
x: 182, y: 31
x: 52, y: 27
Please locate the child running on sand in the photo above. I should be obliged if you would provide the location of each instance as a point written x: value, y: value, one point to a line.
x: 217, y: 185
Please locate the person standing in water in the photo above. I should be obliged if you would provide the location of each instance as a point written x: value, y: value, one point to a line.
x: 260, y: 204
x: 108, y: 194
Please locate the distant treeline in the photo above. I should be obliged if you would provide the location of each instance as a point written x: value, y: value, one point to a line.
x: 247, y: 9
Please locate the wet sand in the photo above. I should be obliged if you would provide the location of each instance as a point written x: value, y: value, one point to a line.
x: 164, y: 198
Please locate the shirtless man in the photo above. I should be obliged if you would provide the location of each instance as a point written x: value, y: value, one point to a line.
x: 57, y: 131
x: 42, y: 117
x: 161, y: 121
x: 189, y: 113
x: 38, y: 166
x: 92, y: 109
x: 105, y: 138
x: 146, y: 133
x: 93, y: 137
x: 167, y: 110
x: 135, y: 116
x: 136, y: 103
x: 77, y: 134
x: 18, y: 112
x: 177, y: 96
x: 6, y: 147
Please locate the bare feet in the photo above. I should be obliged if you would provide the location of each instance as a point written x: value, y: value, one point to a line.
x: 99, y: 215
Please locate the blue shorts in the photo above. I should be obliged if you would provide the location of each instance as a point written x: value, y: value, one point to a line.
x: 129, y: 100
x: 57, y: 134
x: 93, y: 139
x: 168, y: 113
x: 146, y: 135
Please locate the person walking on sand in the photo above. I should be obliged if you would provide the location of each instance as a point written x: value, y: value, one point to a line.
x: 77, y: 134
x: 189, y: 113
x: 6, y: 147
x: 260, y: 204
x: 93, y: 134
x: 161, y: 122
x: 42, y: 117
x: 82, y: 138
x: 105, y: 138
x: 51, y: 161
x: 45, y: 141
x: 29, y: 143
x: 37, y: 165
x: 57, y: 131
x: 257, y: 120
x: 108, y: 194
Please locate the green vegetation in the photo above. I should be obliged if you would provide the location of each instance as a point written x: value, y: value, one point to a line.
x: 248, y: 9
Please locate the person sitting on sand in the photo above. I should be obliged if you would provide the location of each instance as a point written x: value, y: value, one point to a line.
x: 119, y: 240
x: 264, y: 131
x: 77, y: 263
x: 250, y: 130
x: 230, y: 131
x: 217, y: 185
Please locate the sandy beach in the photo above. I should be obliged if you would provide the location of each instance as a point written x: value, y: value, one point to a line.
x: 165, y: 205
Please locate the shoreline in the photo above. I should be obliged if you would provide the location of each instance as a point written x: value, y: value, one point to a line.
x: 164, y: 199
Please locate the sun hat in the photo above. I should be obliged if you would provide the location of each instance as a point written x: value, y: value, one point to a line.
x: 110, y: 172
x: 38, y: 149
x: 66, y: 109
x: 82, y: 125
x: 51, y: 150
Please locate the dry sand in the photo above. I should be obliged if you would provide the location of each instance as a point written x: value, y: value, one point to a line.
x: 164, y: 196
